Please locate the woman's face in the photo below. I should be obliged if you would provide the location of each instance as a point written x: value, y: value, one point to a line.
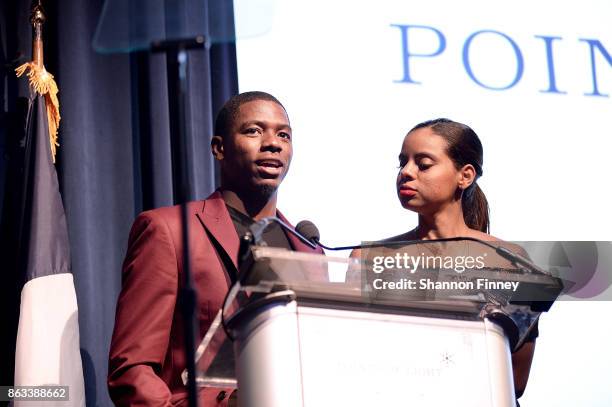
x: 427, y: 180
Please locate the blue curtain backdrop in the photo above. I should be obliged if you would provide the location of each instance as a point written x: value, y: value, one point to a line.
x: 114, y: 160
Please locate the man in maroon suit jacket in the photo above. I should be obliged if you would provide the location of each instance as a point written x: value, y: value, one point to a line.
x: 252, y: 143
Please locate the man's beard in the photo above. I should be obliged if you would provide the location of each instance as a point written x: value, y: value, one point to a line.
x: 261, y: 194
x: 252, y: 193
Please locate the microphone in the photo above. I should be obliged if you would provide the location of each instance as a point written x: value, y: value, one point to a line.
x: 254, y: 236
x: 258, y: 228
x: 308, y: 229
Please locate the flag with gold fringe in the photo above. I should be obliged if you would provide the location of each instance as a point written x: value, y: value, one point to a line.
x: 42, y: 82
x: 47, y: 348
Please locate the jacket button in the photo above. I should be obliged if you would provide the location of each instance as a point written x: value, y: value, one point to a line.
x: 221, y: 395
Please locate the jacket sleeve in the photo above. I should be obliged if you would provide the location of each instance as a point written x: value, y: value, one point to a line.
x: 144, y: 315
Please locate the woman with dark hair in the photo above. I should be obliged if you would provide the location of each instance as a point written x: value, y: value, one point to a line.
x: 439, y: 166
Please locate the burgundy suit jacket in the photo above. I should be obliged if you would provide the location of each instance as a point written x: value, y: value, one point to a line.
x: 146, y: 354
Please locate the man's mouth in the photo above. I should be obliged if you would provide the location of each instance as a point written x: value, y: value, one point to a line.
x: 269, y: 163
x: 269, y: 167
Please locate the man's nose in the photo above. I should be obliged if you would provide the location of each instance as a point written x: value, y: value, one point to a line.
x: 271, y: 142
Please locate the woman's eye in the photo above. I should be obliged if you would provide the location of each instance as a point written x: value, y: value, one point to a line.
x: 424, y: 166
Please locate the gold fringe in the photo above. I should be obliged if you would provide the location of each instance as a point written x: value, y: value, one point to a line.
x: 43, y: 83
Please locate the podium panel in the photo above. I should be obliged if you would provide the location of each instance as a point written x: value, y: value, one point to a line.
x: 334, y: 357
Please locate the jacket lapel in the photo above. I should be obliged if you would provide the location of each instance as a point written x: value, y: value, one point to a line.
x: 217, y: 221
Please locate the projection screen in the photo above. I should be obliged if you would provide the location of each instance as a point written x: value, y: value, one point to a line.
x: 533, y: 79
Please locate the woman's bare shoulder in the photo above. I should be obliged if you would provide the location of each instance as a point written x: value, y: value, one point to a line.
x: 411, y: 235
x: 476, y: 234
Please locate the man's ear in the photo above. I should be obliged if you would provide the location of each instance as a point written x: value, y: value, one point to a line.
x: 467, y: 176
x: 216, y: 147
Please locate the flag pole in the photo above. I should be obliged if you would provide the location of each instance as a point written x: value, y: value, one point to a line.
x: 41, y: 81
x: 37, y: 18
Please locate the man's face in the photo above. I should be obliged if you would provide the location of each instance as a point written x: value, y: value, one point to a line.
x: 255, y: 156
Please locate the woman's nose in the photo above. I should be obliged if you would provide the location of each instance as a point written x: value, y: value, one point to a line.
x: 408, y: 170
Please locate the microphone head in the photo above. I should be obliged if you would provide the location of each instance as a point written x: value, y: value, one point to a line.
x: 308, y: 229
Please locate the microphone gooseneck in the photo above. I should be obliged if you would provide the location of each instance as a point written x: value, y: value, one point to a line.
x: 310, y: 231
x: 258, y: 228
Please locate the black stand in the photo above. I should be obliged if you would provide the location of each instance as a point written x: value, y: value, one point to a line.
x: 177, y: 57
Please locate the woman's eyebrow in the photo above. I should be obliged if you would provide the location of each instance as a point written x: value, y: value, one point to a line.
x: 431, y: 156
x: 425, y: 155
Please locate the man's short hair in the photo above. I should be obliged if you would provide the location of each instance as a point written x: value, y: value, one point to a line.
x: 227, y: 115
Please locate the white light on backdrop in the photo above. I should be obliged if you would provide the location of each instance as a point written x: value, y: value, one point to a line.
x: 340, y: 69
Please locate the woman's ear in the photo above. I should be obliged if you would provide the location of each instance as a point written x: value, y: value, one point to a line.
x: 216, y: 146
x: 467, y: 176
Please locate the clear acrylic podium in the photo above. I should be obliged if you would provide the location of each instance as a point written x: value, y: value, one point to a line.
x: 300, y: 340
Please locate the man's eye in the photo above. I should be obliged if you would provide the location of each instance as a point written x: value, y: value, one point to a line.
x: 285, y: 135
x: 251, y: 130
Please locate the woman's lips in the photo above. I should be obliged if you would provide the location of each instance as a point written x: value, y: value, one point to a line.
x: 407, y: 191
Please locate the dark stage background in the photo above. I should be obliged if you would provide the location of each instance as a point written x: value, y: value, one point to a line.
x: 114, y: 160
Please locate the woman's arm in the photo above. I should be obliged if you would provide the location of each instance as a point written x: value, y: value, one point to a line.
x: 521, y: 364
